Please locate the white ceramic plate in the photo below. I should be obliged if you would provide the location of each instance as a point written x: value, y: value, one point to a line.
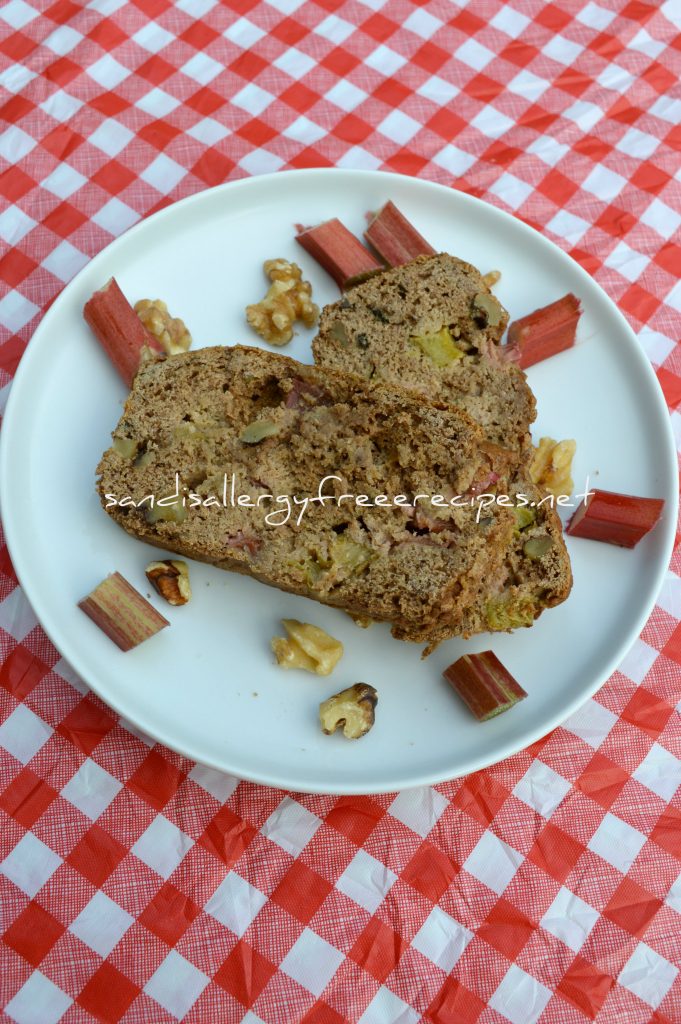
x: 208, y: 686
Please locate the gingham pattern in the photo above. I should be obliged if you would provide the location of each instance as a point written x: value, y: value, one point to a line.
x: 136, y: 886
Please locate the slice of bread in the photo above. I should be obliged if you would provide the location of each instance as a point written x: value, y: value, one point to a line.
x: 377, y: 331
x: 433, y: 324
x: 280, y: 428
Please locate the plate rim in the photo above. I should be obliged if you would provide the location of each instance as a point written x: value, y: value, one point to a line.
x: 667, y: 456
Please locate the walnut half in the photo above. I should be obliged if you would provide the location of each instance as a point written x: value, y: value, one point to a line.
x: 307, y: 647
x: 288, y: 299
x: 551, y: 466
x: 169, y: 330
x: 352, y: 710
x: 171, y: 580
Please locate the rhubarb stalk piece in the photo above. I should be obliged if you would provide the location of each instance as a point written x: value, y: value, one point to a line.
x: 544, y: 333
x: 122, y: 613
x: 340, y: 254
x: 484, y: 684
x: 119, y: 330
x: 620, y: 519
x: 393, y: 237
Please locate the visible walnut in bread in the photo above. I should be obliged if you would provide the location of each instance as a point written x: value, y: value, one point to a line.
x: 189, y: 415
x: 376, y: 328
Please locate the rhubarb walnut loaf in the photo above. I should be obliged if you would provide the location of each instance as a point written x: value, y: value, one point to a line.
x: 434, y: 323
x: 279, y: 428
x: 433, y: 327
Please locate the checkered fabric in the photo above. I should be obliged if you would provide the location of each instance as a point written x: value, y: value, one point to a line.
x: 136, y: 886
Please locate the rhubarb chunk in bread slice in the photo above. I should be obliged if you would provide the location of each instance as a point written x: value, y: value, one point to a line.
x: 432, y: 325
x: 234, y: 425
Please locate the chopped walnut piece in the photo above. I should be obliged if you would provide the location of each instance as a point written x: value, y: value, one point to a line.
x: 288, y: 299
x: 307, y: 647
x: 171, y: 579
x: 551, y: 465
x: 352, y: 710
x: 491, y: 278
x: 170, y: 331
x: 486, y: 307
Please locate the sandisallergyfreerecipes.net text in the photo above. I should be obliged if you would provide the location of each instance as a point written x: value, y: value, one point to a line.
x: 284, y: 508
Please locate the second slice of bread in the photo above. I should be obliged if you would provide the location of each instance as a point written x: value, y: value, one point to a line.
x: 390, y: 329
x: 375, y: 329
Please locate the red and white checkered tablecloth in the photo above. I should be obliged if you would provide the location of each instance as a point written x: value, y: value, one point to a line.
x: 136, y: 886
